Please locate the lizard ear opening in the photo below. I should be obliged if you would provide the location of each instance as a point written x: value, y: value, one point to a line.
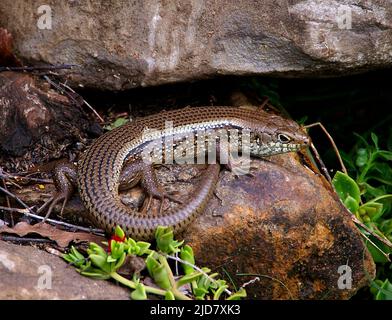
x: 283, y: 138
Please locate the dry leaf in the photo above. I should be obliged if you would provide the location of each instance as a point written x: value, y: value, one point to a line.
x: 61, y: 237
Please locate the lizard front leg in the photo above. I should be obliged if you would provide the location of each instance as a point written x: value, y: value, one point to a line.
x: 232, y: 162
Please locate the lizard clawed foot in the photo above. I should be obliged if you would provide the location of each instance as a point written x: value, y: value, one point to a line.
x: 52, y: 202
x: 239, y: 167
x: 158, y: 195
x: 137, y: 171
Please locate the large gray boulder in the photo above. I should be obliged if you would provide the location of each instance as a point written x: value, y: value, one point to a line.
x: 120, y: 45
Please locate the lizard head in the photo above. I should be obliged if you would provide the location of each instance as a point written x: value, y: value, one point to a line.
x: 278, y: 135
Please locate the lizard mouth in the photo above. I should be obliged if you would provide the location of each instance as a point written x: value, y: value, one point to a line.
x: 277, y: 148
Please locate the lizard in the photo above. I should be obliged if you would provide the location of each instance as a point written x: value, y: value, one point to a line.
x: 100, y: 172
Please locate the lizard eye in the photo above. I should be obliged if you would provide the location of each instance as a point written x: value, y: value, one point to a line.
x: 283, y: 138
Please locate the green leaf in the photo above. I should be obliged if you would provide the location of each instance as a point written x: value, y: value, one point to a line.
x: 378, y: 255
x: 373, y: 209
x: 119, y: 232
x: 387, y: 155
x: 76, y: 253
x: 169, y: 295
x: 386, y: 227
x: 96, y: 249
x: 371, y: 191
x: 120, y: 261
x: 238, y: 295
x: 345, y: 186
x: 384, y: 291
x: 381, y: 172
x: 110, y: 259
x: 161, y: 277
x: 222, y: 286
x: 96, y: 274
x: 117, y: 249
x: 151, y: 262
x: 158, y: 272
x: 138, y: 248
x: 200, y: 293
x: 374, y: 139
x: 73, y: 260
x: 143, y: 247
x: 139, y: 293
x: 363, y: 140
x: 75, y: 257
x: 165, y: 240
x: 351, y: 204
x: 362, y: 157
x: 375, y: 286
x: 187, y: 255
x: 189, y: 278
x: 205, y: 282
x: 117, y: 123
x: 100, y: 262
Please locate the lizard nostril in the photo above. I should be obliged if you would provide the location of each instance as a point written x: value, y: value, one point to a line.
x: 306, y: 142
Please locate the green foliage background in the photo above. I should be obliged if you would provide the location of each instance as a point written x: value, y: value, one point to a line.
x: 355, y: 112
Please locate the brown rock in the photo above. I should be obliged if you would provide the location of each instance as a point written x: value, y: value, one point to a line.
x: 35, y: 119
x: 285, y: 226
x: 22, y: 276
x: 142, y: 43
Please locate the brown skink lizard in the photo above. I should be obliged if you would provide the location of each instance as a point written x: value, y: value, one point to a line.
x: 99, y: 172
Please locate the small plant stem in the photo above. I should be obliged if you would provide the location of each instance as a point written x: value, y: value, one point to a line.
x: 38, y: 68
x: 385, y: 196
x: 361, y: 177
x: 321, y: 162
x: 374, y: 245
x: 178, y: 294
x: 132, y: 284
x: 85, y: 102
x: 373, y: 233
x: 164, y: 262
x: 268, y: 277
x: 194, y: 285
x: 368, y: 166
x: 332, y: 143
x: 98, y: 232
x: 197, y: 269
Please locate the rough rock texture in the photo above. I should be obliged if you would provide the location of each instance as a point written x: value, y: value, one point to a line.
x: 22, y: 266
x: 122, y: 44
x: 36, y: 123
x: 284, y: 225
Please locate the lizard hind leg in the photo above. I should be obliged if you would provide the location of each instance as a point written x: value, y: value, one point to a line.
x: 139, y: 171
x: 64, y: 178
x: 154, y: 190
